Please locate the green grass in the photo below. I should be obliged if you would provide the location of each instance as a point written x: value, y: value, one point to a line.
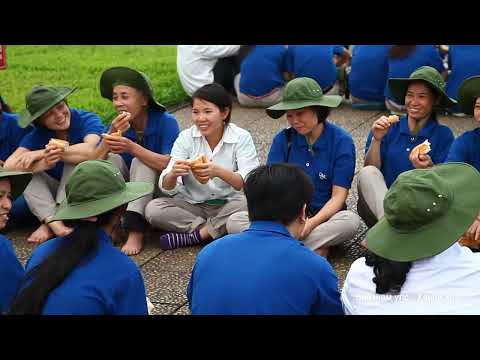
x: 81, y: 66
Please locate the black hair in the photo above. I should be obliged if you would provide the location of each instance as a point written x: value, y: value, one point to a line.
x: 216, y: 94
x: 401, y: 51
x: 244, y: 51
x: 322, y: 113
x: 389, y: 275
x: 277, y: 192
x: 4, y: 106
x: 40, y: 281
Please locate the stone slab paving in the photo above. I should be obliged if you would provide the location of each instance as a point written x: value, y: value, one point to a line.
x: 166, y: 273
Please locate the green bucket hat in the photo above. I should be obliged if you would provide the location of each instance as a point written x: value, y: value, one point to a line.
x: 18, y: 180
x: 302, y: 92
x: 468, y: 92
x: 40, y: 99
x: 96, y: 187
x: 121, y: 75
x: 398, y: 86
x: 426, y: 211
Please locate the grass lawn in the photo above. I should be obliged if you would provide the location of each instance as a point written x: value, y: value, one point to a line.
x: 81, y: 66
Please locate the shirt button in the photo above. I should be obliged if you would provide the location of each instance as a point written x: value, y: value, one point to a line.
x: 408, y: 149
x: 307, y: 164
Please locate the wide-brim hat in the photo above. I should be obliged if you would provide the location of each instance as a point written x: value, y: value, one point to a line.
x: 40, y: 99
x: 302, y: 92
x: 96, y: 187
x: 122, y: 75
x: 398, y: 86
x: 18, y: 180
x: 426, y: 211
x: 468, y: 92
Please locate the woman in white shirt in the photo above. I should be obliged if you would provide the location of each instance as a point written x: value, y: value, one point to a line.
x: 416, y: 265
x: 203, y: 196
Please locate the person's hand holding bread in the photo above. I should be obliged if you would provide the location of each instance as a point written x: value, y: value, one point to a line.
x: 380, y: 126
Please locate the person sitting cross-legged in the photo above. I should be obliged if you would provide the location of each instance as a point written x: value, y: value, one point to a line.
x: 265, y: 270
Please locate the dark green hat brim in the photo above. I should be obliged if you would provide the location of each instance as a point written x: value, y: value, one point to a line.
x: 18, y: 181
x: 398, y: 88
x: 467, y: 93
x: 129, y: 77
x: 279, y: 109
x: 390, y: 243
x: 26, y: 118
x: 132, y: 191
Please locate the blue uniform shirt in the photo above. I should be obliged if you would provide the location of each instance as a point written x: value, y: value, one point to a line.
x: 466, y: 148
x: 423, y: 55
x: 159, y: 135
x: 10, y: 134
x: 397, y: 144
x: 369, y: 71
x: 314, y: 61
x: 465, y: 62
x: 262, y: 70
x: 11, y: 273
x: 262, y: 271
x: 107, y: 282
x: 82, y: 123
x: 332, y: 161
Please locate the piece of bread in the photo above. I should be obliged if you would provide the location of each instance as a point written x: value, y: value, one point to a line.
x: 421, y: 149
x: 116, y: 133
x: 61, y: 144
x: 465, y: 240
x: 392, y: 119
x: 202, y: 159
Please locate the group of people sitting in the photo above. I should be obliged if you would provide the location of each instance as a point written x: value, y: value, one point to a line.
x: 81, y: 179
x: 257, y: 74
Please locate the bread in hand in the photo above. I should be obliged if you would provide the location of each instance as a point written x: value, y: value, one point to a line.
x: 392, y: 119
x: 421, y: 149
x: 468, y: 241
x: 202, y: 159
x: 61, y: 144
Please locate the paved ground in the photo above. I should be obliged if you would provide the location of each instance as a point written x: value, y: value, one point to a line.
x: 166, y: 273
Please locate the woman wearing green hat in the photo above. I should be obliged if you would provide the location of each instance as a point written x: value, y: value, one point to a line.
x: 83, y: 273
x: 389, y: 144
x: 143, y: 151
x: 415, y: 264
x: 47, y: 108
x: 12, y: 184
x: 327, y: 154
x: 466, y: 147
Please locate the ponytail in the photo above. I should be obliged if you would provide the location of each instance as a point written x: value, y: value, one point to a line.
x: 40, y: 281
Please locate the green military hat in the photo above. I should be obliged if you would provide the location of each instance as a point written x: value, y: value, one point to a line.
x: 40, y: 99
x: 18, y: 180
x: 96, y: 187
x: 398, y: 86
x: 426, y: 212
x: 468, y: 92
x: 302, y: 92
x: 121, y: 75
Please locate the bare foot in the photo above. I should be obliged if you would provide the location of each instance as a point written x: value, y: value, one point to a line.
x: 43, y: 233
x: 59, y: 228
x: 134, y: 244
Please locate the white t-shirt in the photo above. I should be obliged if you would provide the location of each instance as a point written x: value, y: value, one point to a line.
x: 195, y: 63
x: 235, y: 151
x: 448, y: 283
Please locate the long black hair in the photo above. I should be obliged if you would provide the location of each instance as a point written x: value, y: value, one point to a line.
x: 389, y: 275
x: 40, y: 281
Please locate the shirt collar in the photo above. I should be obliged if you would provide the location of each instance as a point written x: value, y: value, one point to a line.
x: 321, y: 141
x: 426, y: 132
x: 151, y: 122
x: 270, y: 226
x: 229, y: 134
